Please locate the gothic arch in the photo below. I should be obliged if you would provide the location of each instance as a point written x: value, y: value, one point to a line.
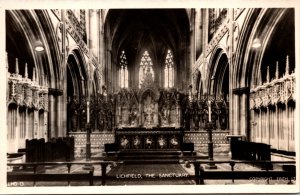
x: 27, y: 26
x: 77, y: 70
x: 262, y: 24
x: 218, y: 81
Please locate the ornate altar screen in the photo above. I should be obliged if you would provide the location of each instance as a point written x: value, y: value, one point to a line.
x: 148, y: 119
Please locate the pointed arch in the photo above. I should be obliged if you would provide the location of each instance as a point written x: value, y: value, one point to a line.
x: 218, y: 75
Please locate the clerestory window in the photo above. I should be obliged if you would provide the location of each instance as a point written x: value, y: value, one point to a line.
x: 123, y: 71
x: 169, y: 71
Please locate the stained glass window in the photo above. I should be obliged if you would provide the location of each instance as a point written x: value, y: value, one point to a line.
x: 123, y: 71
x: 146, y: 68
x: 169, y: 70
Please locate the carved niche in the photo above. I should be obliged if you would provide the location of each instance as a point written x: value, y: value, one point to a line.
x: 168, y: 112
x: 148, y: 107
x: 148, y: 112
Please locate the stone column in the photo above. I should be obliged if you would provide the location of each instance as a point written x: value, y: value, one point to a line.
x: 46, y: 126
x: 198, y: 32
x: 17, y: 130
x: 204, y: 36
x: 259, y: 126
x: 192, y: 47
x: 236, y: 119
x: 101, y: 47
x: 287, y: 134
x: 232, y: 98
x: 51, y: 117
x: 94, y: 39
x: 27, y: 125
x: 243, y: 114
x: 63, y: 101
x: 36, y: 124
x: 268, y: 122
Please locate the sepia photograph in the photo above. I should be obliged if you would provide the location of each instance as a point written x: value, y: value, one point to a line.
x: 178, y: 98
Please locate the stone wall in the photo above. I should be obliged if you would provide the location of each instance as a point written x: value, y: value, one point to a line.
x: 98, y: 139
x: 200, y: 140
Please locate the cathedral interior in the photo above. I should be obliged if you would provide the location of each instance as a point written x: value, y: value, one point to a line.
x: 213, y: 81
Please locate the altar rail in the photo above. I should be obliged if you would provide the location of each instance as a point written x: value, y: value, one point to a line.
x: 200, y: 175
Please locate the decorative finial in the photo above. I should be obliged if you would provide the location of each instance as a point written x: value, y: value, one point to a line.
x: 17, y: 66
x: 259, y: 81
x: 33, y: 74
x: 26, y: 71
x: 268, y: 75
x: 287, y: 65
x: 277, y: 71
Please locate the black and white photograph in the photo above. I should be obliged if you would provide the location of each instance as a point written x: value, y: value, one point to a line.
x: 177, y: 98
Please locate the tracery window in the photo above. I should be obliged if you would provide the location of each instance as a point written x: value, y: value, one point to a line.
x: 123, y: 72
x: 146, y: 68
x: 169, y: 71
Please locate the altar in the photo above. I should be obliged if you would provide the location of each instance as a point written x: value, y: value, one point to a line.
x: 156, y: 138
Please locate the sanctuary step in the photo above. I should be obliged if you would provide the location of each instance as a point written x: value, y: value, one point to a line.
x: 152, y: 156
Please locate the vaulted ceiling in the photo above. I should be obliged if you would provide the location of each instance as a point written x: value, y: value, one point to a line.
x: 156, y: 30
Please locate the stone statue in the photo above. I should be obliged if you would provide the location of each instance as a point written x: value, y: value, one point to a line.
x: 74, y: 121
x: 149, y: 112
x: 83, y: 120
x: 164, y: 116
x: 125, y: 115
x: 133, y: 117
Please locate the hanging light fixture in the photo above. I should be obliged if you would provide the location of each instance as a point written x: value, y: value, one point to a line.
x: 256, y: 43
x: 38, y: 46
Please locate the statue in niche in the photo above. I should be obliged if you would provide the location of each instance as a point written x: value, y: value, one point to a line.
x: 173, y: 115
x: 105, y: 121
x: 164, y: 115
x: 196, y: 120
x: 83, y: 120
x: 187, y: 119
x: 100, y: 121
x: 124, y: 115
x: 149, y: 112
x: 74, y: 121
x: 204, y: 118
x: 109, y: 120
x: 223, y: 119
x: 133, y: 117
